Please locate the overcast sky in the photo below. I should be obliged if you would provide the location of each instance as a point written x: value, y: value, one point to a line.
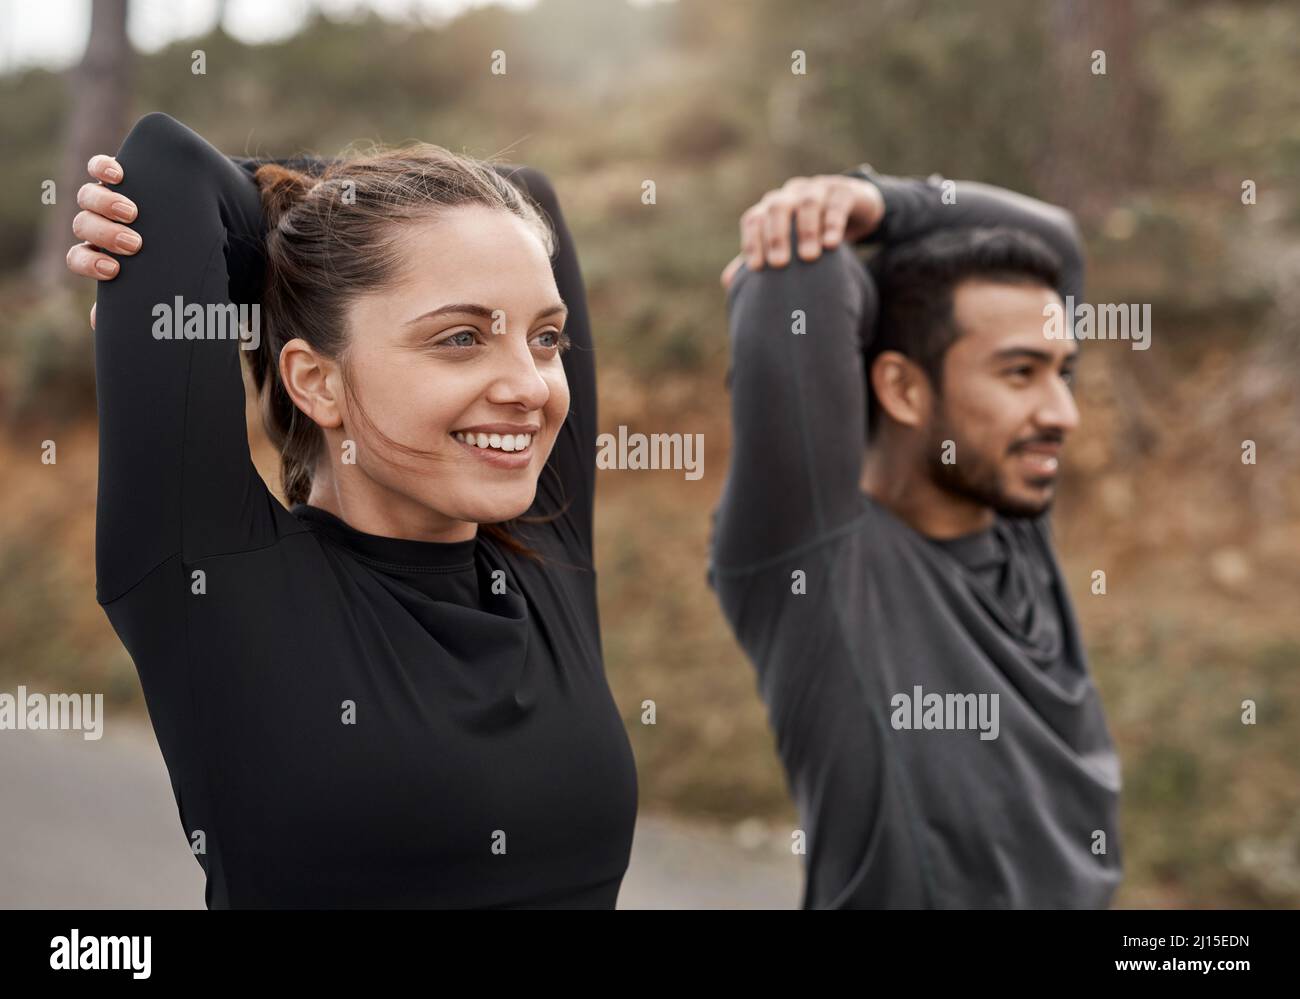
x: 53, y: 33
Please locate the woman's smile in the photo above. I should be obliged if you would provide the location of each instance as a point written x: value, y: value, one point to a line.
x: 503, y: 445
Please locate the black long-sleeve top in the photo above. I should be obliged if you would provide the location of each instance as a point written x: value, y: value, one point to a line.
x: 348, y: 720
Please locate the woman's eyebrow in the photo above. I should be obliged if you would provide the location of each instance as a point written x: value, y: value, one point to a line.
x: 466, y: 309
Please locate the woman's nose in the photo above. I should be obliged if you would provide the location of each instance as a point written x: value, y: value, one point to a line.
x: 515, y: 379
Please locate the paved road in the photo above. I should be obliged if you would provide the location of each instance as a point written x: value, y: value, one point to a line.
x: 92, y: 825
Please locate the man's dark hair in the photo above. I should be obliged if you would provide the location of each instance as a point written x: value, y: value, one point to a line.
x: 915, y: 281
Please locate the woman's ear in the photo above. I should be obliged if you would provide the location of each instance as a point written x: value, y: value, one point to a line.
x: 901, y: 388
x: 313, y: 381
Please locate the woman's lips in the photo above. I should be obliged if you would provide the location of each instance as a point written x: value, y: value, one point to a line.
x: 497, y: 456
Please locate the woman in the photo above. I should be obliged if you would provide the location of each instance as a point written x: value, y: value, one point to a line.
x: 391, y: 694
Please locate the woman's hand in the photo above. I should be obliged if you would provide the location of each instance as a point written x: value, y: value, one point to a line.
x: 827, y: 209
x: 99, y: 224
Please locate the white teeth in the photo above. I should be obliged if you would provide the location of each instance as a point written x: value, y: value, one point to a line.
x: 499, y: 442
x: 1047, y: 463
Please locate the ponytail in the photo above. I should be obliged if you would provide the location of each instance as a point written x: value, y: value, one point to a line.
x: 293, y: 434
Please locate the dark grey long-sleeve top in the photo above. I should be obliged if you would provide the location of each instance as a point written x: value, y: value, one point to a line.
x: 895, y: 812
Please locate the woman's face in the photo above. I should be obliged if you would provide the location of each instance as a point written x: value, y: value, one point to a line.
x: 460, y: 360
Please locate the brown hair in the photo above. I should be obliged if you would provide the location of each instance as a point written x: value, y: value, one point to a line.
x: 334, y: 235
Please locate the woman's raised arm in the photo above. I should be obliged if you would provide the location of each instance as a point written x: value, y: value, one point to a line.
x: 175, y: 477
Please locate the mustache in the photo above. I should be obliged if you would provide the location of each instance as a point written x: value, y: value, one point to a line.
x: 1057, y: 438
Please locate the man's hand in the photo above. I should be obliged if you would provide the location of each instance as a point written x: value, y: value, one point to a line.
x: 99, y: 223
x: 828, y: 209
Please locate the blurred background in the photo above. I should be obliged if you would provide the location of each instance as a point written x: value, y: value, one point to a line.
x: 1202, y: 553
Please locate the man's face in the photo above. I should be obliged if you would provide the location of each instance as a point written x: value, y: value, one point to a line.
x: 1006, y: 403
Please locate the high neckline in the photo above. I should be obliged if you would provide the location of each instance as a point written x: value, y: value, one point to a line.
x: 976, y: 550
x: 404, y: 552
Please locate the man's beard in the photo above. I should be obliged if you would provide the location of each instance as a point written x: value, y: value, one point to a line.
x: 971, y: 476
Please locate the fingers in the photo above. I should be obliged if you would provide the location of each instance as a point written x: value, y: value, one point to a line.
x: 810, y: 204
x: 104, y: 168
x: 866, y: 208
x: 776, y: 228
x: 92, y: 316
x: 106, y: 202
x: 105, y: 234
x: 839, y: 205
x: 729, y: 272
x: 751, y: 237
x: 88, y: 261
x: 819, y: 210
x: 99, y: 223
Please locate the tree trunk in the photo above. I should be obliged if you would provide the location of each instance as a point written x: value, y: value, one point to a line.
x: 98, y: 101
x: 1099, y: 147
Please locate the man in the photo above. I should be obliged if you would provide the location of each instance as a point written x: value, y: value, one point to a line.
x: 897, y: 591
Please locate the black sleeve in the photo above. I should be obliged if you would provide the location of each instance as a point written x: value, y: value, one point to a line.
x: 175, y: 475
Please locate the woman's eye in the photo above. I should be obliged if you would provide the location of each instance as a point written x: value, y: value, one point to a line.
x: 552, y: 339
x: 461, y: 338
